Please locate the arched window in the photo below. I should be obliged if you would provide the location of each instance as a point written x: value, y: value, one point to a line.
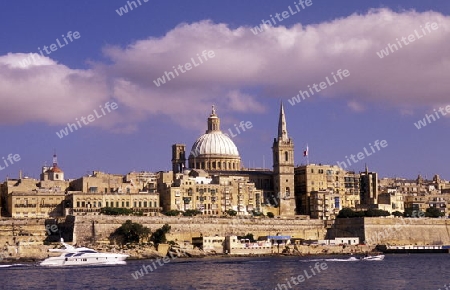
x: 286, y: 156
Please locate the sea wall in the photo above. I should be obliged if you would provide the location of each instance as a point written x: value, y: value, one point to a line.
x: 394, y: 231
x: 97, y: 229
x: 22, y: 238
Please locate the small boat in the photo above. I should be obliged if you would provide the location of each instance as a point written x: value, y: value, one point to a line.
x: 374, y: 258
x: 72, y: 256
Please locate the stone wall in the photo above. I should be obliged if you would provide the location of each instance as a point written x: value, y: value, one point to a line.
x: 90, y: 229
x: 394, y: 231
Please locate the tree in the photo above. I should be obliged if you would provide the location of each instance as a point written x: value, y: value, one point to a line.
x: 409, y: 212
x: 131, y: 232
x: 159, y: 236
x: 346, y: 213
x: 270, y: 214
x: 397, y: 213
x: 191, y: 212
x: 433, y: 212
x: 172, y: 213
x: 231, y: 212
x: 116, y: 211
x: 373, y: 212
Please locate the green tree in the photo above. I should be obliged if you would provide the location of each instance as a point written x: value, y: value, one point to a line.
x: 116, y: 211
x: 159, y: 236
x: 346, y: 213
x: 130, y: 232
x: 433, y: 212
x: 376, y: 212
x: 191, y: 212
x: 231, y: 212
x: 172, y: 213
x: 397, y: 213
x: 270, y: 214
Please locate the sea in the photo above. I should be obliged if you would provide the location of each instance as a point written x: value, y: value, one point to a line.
x: 396, y: 271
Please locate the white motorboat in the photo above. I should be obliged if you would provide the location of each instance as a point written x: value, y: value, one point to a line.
x: 72, y: 256
x: 374, y: 258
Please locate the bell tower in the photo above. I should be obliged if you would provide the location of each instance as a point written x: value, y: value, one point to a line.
x: 178, y: 158
x: 283, y: 168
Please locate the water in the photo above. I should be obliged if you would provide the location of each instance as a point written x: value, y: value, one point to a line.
x: 419, y: 271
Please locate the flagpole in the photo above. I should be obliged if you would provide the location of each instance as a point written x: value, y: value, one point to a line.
x: 306, y: 154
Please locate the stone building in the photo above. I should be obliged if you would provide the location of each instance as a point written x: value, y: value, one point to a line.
x: 324, y: 205
x: 369, y: 188
x: 32, y: 198
x: 214, y: 163
x: 315, y: 183
x: 136, y: 191
x: 211, y: 195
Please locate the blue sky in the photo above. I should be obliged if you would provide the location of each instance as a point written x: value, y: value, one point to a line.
x: 117, y: 58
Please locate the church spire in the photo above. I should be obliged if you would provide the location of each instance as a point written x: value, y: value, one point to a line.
x: 282, y: 131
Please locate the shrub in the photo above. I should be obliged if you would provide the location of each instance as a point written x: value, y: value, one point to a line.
x: 131, y: 232
x: 172, y: 213
x: 270, y: 215
x: 433, y: 212
x: 159, y: 236
x: 191, y: 212
x: 231, y: 212
x: 116, y: 211
x: 350, y: 213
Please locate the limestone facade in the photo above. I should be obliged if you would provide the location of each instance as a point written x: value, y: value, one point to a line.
x: 211, y: 195
x: 315, y: 182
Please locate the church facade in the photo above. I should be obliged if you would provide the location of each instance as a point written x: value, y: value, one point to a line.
x: 214, y: 181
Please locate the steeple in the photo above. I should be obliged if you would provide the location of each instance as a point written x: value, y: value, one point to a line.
x: 283, y: 168
x: 213, y: 122
x: 282, y: 131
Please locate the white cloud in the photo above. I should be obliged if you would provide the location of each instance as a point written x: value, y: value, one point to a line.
x: 276, y: 63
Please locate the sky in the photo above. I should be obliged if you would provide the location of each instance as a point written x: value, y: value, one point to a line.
x: 106, y: 62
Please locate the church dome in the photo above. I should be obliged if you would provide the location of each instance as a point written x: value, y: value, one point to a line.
x: 214, y: 150
x: 214, y: 143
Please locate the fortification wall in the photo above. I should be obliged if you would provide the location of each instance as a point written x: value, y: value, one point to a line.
x: 97, y: 229
x: 394, y: 231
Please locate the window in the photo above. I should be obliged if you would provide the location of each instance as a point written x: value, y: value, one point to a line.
x: 107, y: 204
x: 128, y: 204
x: 145, y: 204
x: 286, y: 156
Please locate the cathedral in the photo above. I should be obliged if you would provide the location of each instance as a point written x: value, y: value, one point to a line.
x: 215, y: 182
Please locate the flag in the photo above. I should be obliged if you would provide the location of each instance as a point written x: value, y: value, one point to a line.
x: 305, y: 153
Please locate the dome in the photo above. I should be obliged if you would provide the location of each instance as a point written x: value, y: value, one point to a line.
x: 214, y: 150
x: 214, y: 143
x: 56, y: 169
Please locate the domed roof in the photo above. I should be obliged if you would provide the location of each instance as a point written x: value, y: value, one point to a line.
x: 214, y: 143
x: 55, y: 169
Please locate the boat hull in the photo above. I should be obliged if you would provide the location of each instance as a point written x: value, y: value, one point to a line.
x: 103, y: 259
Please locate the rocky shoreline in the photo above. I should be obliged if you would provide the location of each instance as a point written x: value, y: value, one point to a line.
x: 140, y: 252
